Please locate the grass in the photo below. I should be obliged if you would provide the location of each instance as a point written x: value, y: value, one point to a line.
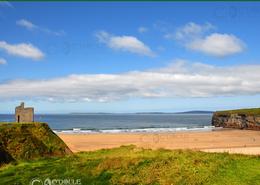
x: 252, y: 111
x: 131, y: 165
x: 28, y: 141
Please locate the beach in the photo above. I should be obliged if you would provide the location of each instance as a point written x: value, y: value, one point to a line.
x: 223, y: 140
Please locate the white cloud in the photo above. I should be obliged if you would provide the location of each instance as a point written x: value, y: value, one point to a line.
x: 27, y: 24
x: 219, y: 45
x: 124, y: 43
x: 180, y: 79
x: 197, y: 38
x: 55, y: 33
x: 142, y: 29
x: 30, y: 26
x: 192, y: 30
x: 26, y: 50
x: 2, y: 61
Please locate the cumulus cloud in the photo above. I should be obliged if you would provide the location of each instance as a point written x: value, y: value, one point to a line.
x: 2, y: 61
x: 219, y: 45
x: 180, y: 79
x: 201, y: 38
x: 26, y: 50
x: 124, y: 43
x: 142, y: 29
x: 30, y: 26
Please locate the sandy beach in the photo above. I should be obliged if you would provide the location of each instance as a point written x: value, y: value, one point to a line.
x: 226, y: 140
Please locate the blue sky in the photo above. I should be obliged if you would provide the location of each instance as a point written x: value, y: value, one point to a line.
x: 127, y: 57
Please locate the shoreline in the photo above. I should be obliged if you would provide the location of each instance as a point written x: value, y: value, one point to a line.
x: 136, y: 130
x: 223, y: 140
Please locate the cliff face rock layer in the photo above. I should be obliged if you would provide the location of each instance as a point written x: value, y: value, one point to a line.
x: 241, y: 119
x: 29, y: 140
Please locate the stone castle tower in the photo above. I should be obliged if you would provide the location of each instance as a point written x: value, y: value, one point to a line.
x: 23, y: 115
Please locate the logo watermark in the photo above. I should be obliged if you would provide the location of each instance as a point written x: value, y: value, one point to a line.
x: 48, y: 181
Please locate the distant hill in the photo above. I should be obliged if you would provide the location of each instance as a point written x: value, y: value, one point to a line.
x: 187, y: 112
x: 87, y: 113
x: 196, y: 112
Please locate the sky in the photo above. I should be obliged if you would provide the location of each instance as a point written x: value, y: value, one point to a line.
x: 120, y: 57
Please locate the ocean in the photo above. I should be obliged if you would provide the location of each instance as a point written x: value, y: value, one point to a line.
x: 117, y: 123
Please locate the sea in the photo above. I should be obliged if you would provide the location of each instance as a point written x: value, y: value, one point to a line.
x: 122, y: 123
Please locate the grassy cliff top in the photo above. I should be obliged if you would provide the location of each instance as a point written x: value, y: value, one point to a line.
x: 252, y: 111
x: 131, y: 165
x: 22, y: 141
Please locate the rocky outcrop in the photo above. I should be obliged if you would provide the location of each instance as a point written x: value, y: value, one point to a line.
x: 23, y: 141
x: 236, y: 120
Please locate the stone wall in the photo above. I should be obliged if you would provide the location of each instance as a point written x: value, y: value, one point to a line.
x: 23, y: 115
x: 240, y: 121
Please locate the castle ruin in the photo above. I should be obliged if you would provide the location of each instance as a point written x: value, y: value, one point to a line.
x: 24, y: 115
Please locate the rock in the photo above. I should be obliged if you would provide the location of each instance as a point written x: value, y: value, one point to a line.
x: 236, y: 120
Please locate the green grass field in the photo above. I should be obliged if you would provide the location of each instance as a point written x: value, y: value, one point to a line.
x: 131, y: 165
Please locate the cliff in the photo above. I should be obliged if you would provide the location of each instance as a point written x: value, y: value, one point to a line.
x: 23, y: 141
x: 241, y: 119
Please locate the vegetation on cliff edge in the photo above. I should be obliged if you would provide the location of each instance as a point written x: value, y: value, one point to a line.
x: 28, y: 141
x: 252, y: 111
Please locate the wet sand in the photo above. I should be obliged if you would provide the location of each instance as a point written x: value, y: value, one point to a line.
x: 225, y: 140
